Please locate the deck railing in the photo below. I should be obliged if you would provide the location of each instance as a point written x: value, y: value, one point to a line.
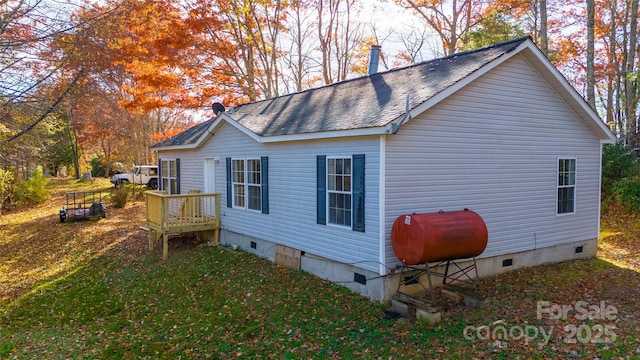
x: 180, y: 213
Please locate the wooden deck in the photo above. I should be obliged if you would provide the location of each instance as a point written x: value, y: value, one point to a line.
x: 177, y: 214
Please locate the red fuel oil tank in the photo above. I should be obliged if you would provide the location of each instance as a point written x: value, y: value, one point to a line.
x: 440, y: 236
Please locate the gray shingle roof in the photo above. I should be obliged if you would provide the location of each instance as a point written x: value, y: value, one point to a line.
x: 189, y: 136
x: 360, y: 103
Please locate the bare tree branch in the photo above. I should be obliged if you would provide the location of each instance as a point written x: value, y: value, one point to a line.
x: 45, y: 114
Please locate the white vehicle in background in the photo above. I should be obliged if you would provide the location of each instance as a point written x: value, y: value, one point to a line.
x: 141, y: 175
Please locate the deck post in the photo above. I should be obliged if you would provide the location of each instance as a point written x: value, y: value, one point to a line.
x: 165, y: 246
x: 152, y: 237
x: 178, y: 214
x: 216, y: 236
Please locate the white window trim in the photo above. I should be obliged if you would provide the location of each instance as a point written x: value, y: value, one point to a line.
x: 165, y: 165
x: 245, y: 184
x: 575, y: 184
x: 350, y: 192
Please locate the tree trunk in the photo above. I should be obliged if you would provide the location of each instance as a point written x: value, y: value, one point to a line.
x: 299, y: 41
x: 630, y: 84
x: 325, y: 41
x: 453, y: 39
x: 591, y: 80
x: 544, y: 43
x: 73, y: 142
x: 613, y: 85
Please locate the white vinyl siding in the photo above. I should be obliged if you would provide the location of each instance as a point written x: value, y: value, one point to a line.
x: 189, y: 163
x: 292, y: 218
x: 491, y: 147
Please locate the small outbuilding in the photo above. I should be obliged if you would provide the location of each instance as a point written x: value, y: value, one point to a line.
x: 316, y: 179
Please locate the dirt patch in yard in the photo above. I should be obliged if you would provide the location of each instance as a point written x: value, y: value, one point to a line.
x: 177, y: 243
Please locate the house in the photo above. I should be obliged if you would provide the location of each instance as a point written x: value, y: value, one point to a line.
x: 317, y: 178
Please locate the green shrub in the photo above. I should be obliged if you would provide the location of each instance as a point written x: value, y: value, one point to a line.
x: 120, y: 197
x: 617, y: 163
x: 138, y: 192
x: 626, y: 193
x: 97, y: 167
x: 6, y: 187
x: 33, y: 190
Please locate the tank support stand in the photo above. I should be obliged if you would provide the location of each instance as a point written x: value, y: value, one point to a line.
x: 455, y: 276
x: 447, y: 278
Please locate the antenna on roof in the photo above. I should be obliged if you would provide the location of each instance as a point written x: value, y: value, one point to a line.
x: 217, y: 108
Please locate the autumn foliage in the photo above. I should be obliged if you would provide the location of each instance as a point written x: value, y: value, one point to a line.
x: 145, y: 67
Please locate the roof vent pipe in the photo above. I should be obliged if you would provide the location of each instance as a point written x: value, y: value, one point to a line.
x: 374, y: 59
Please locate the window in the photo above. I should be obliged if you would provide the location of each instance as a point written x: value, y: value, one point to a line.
x: 340, y: 191
x: 247, y: 185
x: 170, y: 175
x: 147, y: 171
x: 238, y: 183
x: 254, y: 184
x: 566, y: 185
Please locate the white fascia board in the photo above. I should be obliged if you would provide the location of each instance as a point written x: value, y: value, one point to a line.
x: 173, y: 147
x: 596, y: 124
x: 323, y: 135
x: 217, y: 123
x: 238, y: 126
x: 568, y: 92
x: 301, y: 137
x: 201, y: 140
x: 272, y: 139
x: 437, y: 98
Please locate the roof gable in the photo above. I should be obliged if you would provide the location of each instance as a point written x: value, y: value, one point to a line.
x: 379, y: 103
x: 364, y: 102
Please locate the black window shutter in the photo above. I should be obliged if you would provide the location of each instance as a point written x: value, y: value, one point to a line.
x: 229, y: 198
x: 321, y: 201
x: 160, y: 187
x: 358, y: 193
x: 177, y: 176
x: 264, y: 178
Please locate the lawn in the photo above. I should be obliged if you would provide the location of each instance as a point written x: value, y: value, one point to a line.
x: 91, y: 289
